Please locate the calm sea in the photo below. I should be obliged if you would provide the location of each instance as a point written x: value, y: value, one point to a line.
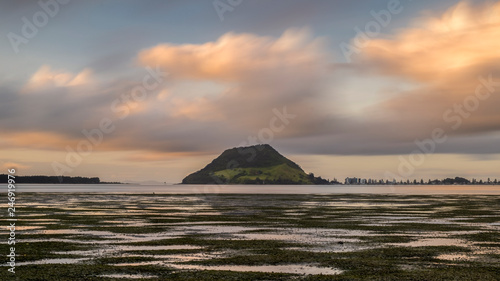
x: 259, y: 189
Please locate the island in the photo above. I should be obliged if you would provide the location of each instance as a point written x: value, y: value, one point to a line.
x: 257, y: 164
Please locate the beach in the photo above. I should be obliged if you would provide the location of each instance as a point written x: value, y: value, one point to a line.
x: 220, y: 236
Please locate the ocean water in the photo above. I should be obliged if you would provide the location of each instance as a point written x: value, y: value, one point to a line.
x: 260, y: 189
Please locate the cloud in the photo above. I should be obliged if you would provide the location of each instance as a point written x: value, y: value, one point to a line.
x: 14, y: 165
x: 257, y: 74
x: 149, y: 156
x: 462, y: 40
x: 444, y: 56
x: 45, y: 78
x: 441, y: 60
x: 237, y: 57
x: 224, y: 92
x: 250, y: 77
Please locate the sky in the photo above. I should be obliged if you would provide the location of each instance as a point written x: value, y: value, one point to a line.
x: 154, y: 90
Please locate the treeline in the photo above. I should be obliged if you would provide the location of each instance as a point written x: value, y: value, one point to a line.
x: 51, y: 179
x: 450, y: 181
x: 459, y: 180
x: 319, y: 180
x: 446, y: 181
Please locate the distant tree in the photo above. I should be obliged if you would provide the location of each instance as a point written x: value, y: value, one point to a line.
x: 421, y: 181
x: 436, y: 181
x: 480, y: 181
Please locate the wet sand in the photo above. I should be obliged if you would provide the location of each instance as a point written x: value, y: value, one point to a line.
x: 256, y: 236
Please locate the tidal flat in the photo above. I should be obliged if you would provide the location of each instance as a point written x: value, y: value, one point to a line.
x: 85, y: 236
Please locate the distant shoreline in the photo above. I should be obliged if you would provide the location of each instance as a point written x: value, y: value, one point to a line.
x: 37, y: 179
x: 55, y: 180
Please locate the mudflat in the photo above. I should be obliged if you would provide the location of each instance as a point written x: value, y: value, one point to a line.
x: 85, y: 236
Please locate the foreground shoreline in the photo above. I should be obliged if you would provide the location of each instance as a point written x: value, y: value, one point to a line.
x: 72, y: 236
x: 257, y: 189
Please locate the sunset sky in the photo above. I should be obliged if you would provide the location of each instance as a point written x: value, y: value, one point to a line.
x: 343, y: 88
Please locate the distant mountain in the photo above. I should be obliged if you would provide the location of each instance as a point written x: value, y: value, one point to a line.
x: 258, y: 164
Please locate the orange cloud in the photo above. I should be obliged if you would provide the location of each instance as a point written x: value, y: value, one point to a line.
x: 36, y: 140
x: 256, y: 74
x: 445, y: 55
x: 234, y: 57
x: 463, y: 38
x: 46, y: 77
x: 17, y: 166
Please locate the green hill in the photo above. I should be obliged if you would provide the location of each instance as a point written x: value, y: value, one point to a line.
x: 258, y: 164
